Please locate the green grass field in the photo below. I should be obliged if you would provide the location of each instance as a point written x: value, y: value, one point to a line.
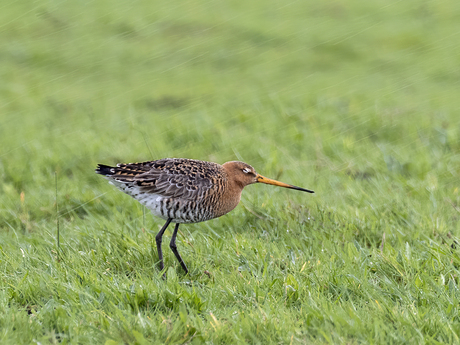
x: 356, y: 100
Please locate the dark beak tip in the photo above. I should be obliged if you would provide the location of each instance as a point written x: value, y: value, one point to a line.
x: 303, y: 189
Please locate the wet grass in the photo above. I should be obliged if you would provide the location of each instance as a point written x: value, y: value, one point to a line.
x: 357, y: 101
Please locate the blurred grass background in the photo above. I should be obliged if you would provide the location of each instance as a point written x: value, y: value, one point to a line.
x: 356, y: 100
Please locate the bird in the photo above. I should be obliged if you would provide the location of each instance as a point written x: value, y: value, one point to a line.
x: 182, y: 190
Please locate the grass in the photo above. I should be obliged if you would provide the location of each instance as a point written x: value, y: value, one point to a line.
x: 355, y: 100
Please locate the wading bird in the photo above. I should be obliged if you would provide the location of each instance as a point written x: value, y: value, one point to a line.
x: 183, y: 190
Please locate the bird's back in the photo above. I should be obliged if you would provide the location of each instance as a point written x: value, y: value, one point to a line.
x: 185, y: 190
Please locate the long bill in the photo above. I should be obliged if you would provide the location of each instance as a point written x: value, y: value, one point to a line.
x: 267, y: 180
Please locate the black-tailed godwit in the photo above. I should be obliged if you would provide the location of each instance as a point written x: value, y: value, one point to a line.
x: 183, y: 190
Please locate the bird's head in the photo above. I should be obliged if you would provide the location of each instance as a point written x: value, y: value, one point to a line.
x: 243, y: 174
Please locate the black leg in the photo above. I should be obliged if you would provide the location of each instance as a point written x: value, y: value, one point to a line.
x: 173, y: 247
x: 158, y: 239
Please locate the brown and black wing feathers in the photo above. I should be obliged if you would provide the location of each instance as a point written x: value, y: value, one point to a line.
x: 170, y: 177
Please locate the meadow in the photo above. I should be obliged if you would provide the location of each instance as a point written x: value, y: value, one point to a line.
x: 357, y: 100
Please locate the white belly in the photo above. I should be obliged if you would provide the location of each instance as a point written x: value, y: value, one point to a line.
x: 179, y: 210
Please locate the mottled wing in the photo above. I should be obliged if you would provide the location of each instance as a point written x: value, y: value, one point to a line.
x: 177, y: 178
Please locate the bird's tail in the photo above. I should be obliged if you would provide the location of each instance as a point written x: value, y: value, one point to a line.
x: 123, y: 172
x: 105, y: 170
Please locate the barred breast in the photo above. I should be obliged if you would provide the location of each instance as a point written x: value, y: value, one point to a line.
x: 179, y: 210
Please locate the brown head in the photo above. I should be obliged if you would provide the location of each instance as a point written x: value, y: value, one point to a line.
x: 243, y: 174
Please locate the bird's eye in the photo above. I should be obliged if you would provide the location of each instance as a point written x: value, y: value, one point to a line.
x: 246, y: 171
